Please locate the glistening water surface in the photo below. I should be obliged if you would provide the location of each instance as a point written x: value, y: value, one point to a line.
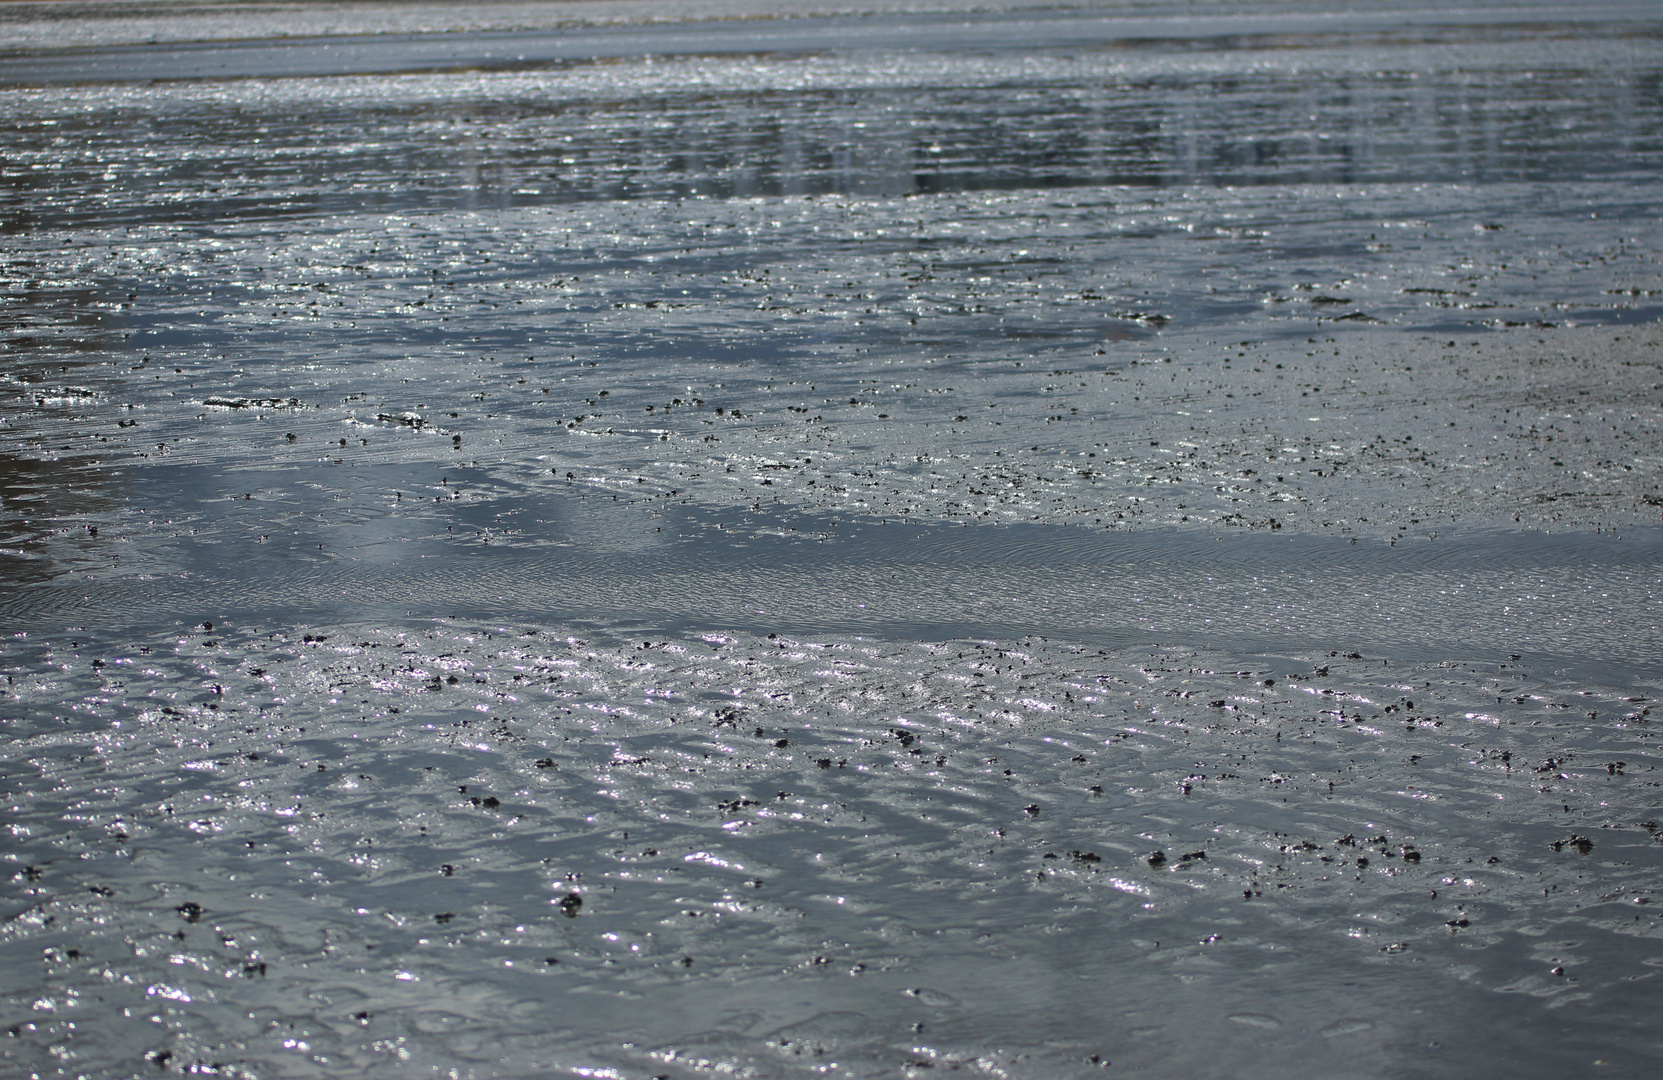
x: 1028, y: 542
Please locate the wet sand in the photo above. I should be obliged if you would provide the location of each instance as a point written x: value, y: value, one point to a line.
x: 1037, y: 561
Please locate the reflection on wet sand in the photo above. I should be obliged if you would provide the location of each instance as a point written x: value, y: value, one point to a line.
x: 58, y: 387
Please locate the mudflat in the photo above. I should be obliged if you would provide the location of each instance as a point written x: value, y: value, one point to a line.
x: 1116, y: 540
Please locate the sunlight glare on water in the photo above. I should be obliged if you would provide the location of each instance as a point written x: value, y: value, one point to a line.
x: 635, y: 540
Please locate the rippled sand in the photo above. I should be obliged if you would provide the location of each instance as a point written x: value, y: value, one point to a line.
x: 1028, y: 543
x: 515, y: 851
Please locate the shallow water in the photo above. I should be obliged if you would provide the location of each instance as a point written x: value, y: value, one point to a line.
x: 1574, y: 599
x: 835, y: 496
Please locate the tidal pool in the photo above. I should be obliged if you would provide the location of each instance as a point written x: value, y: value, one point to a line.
x: 604, y: 540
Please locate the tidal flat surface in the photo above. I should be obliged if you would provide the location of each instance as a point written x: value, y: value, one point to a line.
x: 780, y: 540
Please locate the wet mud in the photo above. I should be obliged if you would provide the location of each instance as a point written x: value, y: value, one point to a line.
x: 1029, y: 543
x: 295, y: 852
